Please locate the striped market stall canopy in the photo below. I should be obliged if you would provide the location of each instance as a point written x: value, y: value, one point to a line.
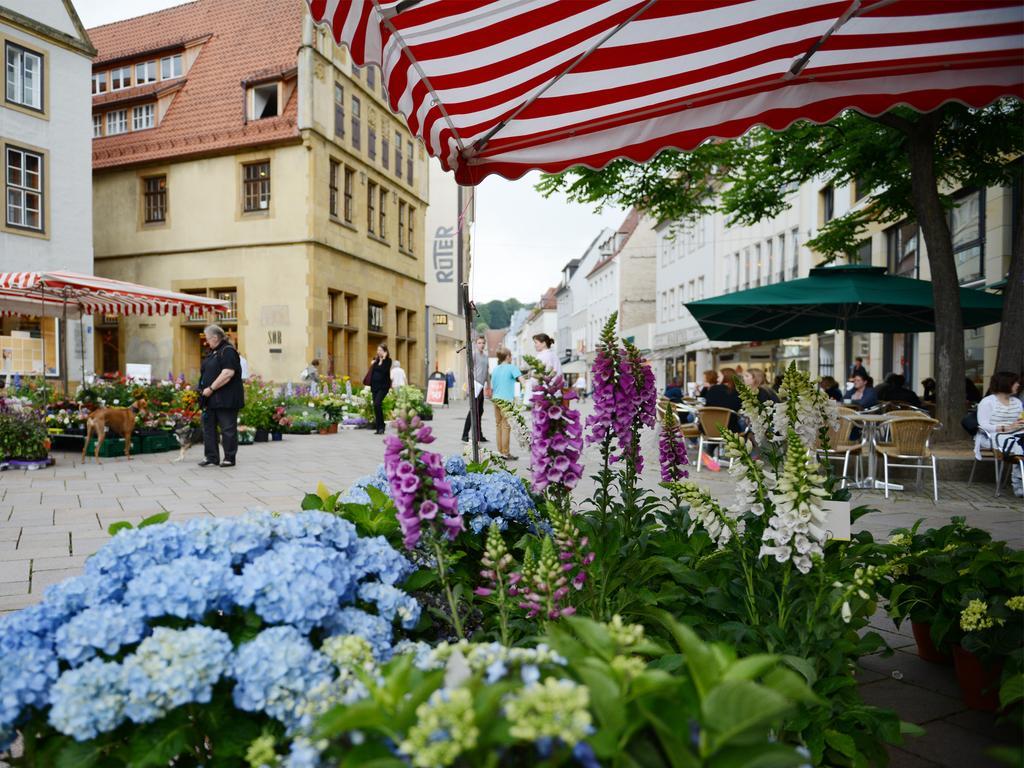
x: 507, y: 86
x: 68, y: 294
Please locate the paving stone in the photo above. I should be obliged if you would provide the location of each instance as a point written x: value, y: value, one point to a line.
x: 142, y: 506
x: 24, y: 555
x: 914, y: 704
x: 16, y: 602
x: 8, y: 588
x: 8, y: 533
x: 14, y: 570
x: 950, y: 746
x: 899, y: 758
x: 938, y: 678
x: 58, y: 563
x: 42, y: 579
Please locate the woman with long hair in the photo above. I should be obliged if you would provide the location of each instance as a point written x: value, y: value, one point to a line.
x: 542, y: 343
x: 380, y: 383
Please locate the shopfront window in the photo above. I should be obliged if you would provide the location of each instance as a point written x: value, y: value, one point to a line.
x: 974, y: 356
x: 28, y: 346
x: 902, y: 247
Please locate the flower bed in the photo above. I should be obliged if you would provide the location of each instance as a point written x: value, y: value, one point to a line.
x: 630, y: 628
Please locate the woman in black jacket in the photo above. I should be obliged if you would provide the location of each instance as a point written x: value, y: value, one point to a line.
x: 380, y: 383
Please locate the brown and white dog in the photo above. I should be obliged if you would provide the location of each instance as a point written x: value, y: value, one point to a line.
x: 121, y: 420
x: 187, y: 434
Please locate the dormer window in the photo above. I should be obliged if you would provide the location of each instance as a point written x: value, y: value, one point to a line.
x: 145, y: 72
x: 120, y: 78
x: 263, y: 101
x: 170, y: 67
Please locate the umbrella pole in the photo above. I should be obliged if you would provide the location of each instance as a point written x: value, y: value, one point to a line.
x: 81, y: 343
x: 63, y: 348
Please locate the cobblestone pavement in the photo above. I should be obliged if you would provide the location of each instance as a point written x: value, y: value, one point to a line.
x: 52, y: 519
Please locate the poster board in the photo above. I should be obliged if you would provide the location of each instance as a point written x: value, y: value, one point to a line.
x: 435, y: 391
x: 140, y: 372
x: 837, y: 520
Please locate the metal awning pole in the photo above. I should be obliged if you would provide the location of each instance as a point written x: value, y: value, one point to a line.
x: 62, y: 350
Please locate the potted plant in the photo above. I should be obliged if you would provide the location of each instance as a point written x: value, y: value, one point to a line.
x: 23, y: 436
x: 279, y: 422
x: 991, y: 621
x: 930, y: 580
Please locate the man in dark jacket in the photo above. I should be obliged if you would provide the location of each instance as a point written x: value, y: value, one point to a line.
x: 894, y: 390
x: 221, y: 397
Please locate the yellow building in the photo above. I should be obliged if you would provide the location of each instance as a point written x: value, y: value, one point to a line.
x: 258, y: 165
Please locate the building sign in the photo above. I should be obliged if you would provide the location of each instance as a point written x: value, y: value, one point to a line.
x: 444, y: 255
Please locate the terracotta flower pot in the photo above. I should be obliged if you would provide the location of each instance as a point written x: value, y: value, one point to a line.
x: 323, y: 431
x: 332, y: 430
x: 925, y: 647
x: 979, y: 683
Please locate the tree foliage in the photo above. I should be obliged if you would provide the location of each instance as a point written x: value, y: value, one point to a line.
x: 497, y: 313
x: 750, y: 179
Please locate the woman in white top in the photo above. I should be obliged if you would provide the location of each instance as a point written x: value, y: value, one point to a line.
x: 999, y: 414
x: 543, y: 343
x: 397, y: 375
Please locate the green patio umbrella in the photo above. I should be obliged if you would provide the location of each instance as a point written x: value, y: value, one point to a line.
x: 854, y: 297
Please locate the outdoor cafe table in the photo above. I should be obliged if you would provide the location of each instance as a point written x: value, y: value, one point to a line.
x: 869, y: 423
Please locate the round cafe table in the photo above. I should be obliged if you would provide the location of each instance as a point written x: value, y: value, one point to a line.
x: 869, y: 423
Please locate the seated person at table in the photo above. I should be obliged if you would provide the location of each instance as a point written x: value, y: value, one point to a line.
x: 710, y: 379
x: 755, y: 379
x: 674, y: 392
x: 1000, y: 414
x: 973, y: 394
x: 831, y: 388
x: 894, y: 390
x: 862, y: 394
x: 723, y: 395
x: 928, y: 390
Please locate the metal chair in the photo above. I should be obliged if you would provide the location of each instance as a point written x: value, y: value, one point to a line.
x: 710, y: 419
x: 989, y: 454
x: 911, y: 437
x: 840, y: 444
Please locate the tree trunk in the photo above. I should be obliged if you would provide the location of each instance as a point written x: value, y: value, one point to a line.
x: 1010, y: 355
x: 951, y: 393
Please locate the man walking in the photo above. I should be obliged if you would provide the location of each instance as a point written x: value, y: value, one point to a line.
x: 481, y: 377
x: 221, y: 398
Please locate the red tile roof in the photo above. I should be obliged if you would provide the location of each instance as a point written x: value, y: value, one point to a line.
x: 208, y: 114
x: 550, y: 299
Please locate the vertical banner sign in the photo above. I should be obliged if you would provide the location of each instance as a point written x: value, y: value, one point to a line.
x: 435, y: 391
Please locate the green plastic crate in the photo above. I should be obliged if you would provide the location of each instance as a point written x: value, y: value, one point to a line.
x: 159, y: 443
x: 113, y: 447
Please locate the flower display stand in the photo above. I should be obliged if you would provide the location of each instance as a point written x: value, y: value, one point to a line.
x: 29, y: 464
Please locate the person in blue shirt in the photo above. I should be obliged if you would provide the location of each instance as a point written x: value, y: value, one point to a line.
x: 503, y: 387
x: 674, y: 392
x: 862, y: 394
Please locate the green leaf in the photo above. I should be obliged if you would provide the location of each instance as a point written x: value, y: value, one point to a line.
x: 420, y: 580
x: 791, y: 685
x: 158, y: 744
x: 121, y: 525
x: 606, y: 697
x: 1012, y: 690
x: 841, y: 742
x: 751, y: 667
x: 312, y: 501
x: 157, y: 519
x: 758, y: 756
x: 734, y: 707
x: 82, y: 754
x: 594, y: 635
x: 377, y: 497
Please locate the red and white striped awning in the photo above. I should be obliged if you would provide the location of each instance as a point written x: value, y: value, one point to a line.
x: 57, y: 293
x: 506, y: 86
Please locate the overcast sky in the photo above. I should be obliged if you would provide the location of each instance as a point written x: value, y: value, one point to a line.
x: 521, y: 239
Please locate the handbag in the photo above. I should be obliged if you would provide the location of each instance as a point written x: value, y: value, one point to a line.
x: 368, y: 377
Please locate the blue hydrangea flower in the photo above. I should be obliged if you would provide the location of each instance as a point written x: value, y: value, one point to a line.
x: 374, y: 629
x: 89, y: 700
x: 297, y: 584
x: 303, y: 754
x: 187, y: 588
x: 26, y: 675
x: 274, y: 670
x: 391, y: 602
x: 455, y: 465
x: 105, y: 628
x: 174, y: 667
x: 376, y: 557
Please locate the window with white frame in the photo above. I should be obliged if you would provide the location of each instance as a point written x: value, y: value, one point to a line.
x: 24, y: 174
x: 143, y: 117
x: 99, y: 82
x: 24, y: 77
x: 795, y: 238
x: 117, y: 122
x: 120, y: 78
x: 170, y: 67
x: 264, y: 101
x: 782, y: 258
x: 700, y: 287
x: 145, y: 72
x: 97, y: 126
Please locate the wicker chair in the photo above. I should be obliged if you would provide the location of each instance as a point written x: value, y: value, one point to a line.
x: 840, y: 444
x: 910, y: 440
x: 710, y: 420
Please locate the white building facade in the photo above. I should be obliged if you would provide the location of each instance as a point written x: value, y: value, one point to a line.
x: 46, y: 133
